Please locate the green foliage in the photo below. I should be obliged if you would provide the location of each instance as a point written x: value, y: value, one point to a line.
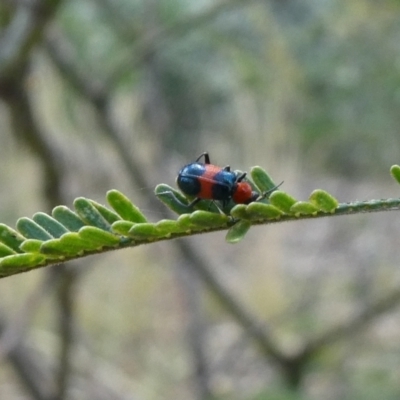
x: 94, y: 228
x: 395, y: 171
x: 123, y: 206
x: 238, y: 231
x: 262, y: 180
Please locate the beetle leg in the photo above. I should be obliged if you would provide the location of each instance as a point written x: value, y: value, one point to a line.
x: 218, y: 207
x: 227, y: 168
x: 206, y: 157
x: 194, y: 202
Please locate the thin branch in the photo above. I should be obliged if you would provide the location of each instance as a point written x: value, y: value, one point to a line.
x: 150, y: 42
x: 63, y: 56
x: 13, y: 333
x: 179, y: 28
x: 195, y: 259
x: 66, y: 296
x: 293, y: 367
x: 31, y: 374
x: 358, y: 321
x: 29, y: 132
x: 196, y: 329
x: 23, y: 32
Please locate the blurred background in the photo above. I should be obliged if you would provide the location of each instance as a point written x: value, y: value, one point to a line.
x: 102, y: 94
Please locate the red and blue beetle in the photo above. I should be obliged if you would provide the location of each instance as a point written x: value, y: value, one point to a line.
x: 210, y: 182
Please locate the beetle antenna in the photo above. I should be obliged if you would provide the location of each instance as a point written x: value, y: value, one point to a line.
x: 269, y: 191
x: 206, y: 157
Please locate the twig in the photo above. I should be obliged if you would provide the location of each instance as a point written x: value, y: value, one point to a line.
x: 146, y: 45
x: 23, y: 32
x: 65, y: 297
x: 249, y: 323
x: 32, y: 376
x: 14, y: 331
x: 26, y: 128
x: 196, y: 327
x: 179, y: 28
x: 358, y: 321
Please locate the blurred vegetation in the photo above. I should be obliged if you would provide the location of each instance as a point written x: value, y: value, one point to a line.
x: 102, y: 94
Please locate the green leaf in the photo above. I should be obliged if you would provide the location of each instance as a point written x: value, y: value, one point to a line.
x: 11, y: 238
x: 5, y: 250
x: 208, y: 219
x: 303, y: 208
x: 74, y: 242
x: 55, y: 248
x: 144, y: 231
x: 172, y: 199
x: 68, y: 218
x: 163, y: 188
x: 184, y: 222
x: 98, y: 236
x: 262, y: 180
x: 395, y: 171
x: 89, y: 214
x: 49, y: 224
x: 25, y: 260
x: 260, y: 211
x: 240, y: 212
x: 282, y: 201
x: 323, y: 201
x: 70, y: 244
x: 31, y: 246
x: 168, y: 226
x: 108, y: 215
x: 31, y: 230
x: 237, y: 232
x: 122, y: 227
x: 124, y: 207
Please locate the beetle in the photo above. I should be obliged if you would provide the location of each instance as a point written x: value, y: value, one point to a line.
x: 210, y: 182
